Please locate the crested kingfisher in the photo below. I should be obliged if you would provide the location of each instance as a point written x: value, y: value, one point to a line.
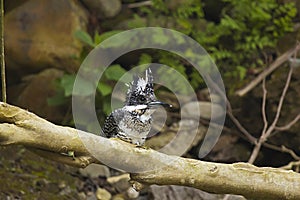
x: 132, y: 122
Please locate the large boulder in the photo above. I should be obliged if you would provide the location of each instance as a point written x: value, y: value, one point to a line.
x: 40, y: 33
x: 34, y: 91
x: 104, y: 8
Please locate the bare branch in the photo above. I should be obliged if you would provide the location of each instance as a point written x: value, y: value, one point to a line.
x: 287, y: 83
x: 265, y: 134
x: 290, y: 151
x: 289, y: 125
x: 140, y: 4
x: 279, y: 61
x: 291, y: 165
x: 263, y: 109
x: 283, y: 149
x: 3, y: 77
x: 236, y: 122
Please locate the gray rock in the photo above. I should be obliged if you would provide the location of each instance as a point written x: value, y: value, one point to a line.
x: 187, y: 135
x: 104, y: 8
x: 103, y: 194
x: 186, y: 193
x: 95, y: 171
x: 203, y: 109
x: 34, y: 91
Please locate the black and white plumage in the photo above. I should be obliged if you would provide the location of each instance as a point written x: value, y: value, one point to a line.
x: 132, y: 122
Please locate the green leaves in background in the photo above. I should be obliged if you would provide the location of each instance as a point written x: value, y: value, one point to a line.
x: 104, y: 89
x: 84, y: 37
x: 114, y: 72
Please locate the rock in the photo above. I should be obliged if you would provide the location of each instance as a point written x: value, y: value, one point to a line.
x: 121, y: 183
x: 81, y: 195
x: 190, y: 110
x: 158, y: 141
x: 91, y: 196
x: 103, y: 194
x: 188, y: 134
x: 186, y: 193
x: 179, y: 139
x: 118, y: 197
x: 132, y: 193
x: 62, y: 184
x: 10, y: 5
x: 94, y: 171
x: 115, y: 179
x: 104, y: 8
x: 34, y: 92
x: 228, y: 149
x: 179, y: 192
x: 40, y: 33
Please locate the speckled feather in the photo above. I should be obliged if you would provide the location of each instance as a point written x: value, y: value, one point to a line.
x: 132, y: 122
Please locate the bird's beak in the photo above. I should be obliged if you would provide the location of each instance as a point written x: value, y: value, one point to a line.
x: 156, y: 104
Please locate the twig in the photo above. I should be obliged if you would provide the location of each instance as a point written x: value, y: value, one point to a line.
x: 236, y: 122
x: 279, y: 61
x: 264, y: 136
x: 289, y: 125
x: 279, y: 108
x: 291, y: 152
x: 263, y: 109
x: 3, y: 77
x: 140, y: 4
x: 291, y: 165
x: 282, y: 149
x: 251, y: 139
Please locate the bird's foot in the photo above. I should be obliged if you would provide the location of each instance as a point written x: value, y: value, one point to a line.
x: 141, y: 146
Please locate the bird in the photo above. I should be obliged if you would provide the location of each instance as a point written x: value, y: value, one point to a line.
x: 132, y: 122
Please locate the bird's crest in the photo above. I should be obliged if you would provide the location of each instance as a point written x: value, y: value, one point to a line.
x: 140, y: 90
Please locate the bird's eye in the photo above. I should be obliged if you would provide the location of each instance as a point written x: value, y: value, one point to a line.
x: 142, y: 98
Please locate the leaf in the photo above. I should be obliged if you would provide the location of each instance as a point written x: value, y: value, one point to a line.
x: 98, y: 38
x: 67, y: 82
x: 84, y: 37
x: 57, y: 99
x: 242, y: 72
x: 145, y: 59
x: 159, y: 37
x: 84, y: 87
x: 104, y: 89
x: 114, y: 72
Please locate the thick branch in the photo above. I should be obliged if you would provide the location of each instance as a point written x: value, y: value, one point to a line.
x: 22, y: 127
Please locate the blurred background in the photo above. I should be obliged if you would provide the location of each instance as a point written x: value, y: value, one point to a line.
x: 47, y: 40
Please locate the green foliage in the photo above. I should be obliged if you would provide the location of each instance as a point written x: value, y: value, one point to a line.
x: 98, y: 38
x: 84, y: 37
x: 114, y: 72
x: 103, y: 91
x: 237, y: 38
x: 245, y: 32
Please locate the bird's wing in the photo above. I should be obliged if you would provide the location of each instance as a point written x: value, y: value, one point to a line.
x: 111, y: 127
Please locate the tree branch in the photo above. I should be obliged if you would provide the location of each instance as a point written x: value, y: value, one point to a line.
x: 289, y: 125
x: 277, y: 63
x: 20, y: 127
x: 267, y: 131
